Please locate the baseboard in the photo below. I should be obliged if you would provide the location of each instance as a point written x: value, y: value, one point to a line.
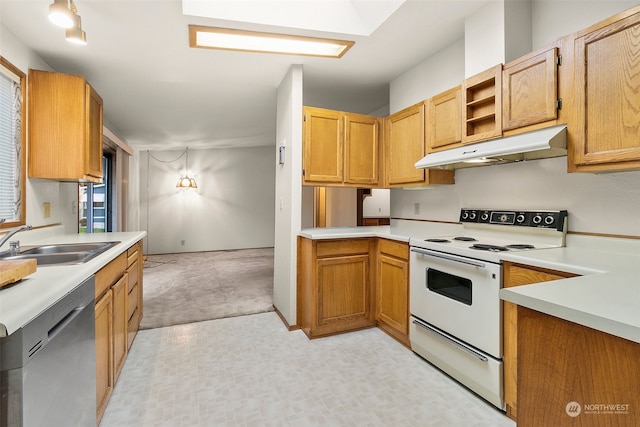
x: 286, y: 324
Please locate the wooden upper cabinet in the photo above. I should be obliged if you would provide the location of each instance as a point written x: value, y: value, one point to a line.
x: 404, y: 146
x: 362, y: 149
x: 443, y: 120
x: 530, y: 90
x: 340, y: 148
x: 322, y: 152
x: 64, y: 128
x: 482, y: 106
x: 606, y: 131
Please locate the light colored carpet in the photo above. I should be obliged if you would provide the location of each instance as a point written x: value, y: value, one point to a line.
x: 193, y: 287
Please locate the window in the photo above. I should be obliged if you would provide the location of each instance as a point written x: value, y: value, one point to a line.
x: 12, y: 145
x: 95, y: 214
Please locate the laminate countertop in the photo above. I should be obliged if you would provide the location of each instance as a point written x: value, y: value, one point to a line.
x: 25, y: 300
x: 605, y: 296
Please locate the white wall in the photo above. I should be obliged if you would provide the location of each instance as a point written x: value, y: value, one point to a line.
x: 553, y: 19
x: 232, y: 208
x: 288, y: 197
x: 597, y: 203
x: 377, y: 205
x: 438, y: 73
x: 341, y: 207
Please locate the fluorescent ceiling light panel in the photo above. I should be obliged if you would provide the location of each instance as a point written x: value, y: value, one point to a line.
x: 355, y: 17
x: 251, y: 41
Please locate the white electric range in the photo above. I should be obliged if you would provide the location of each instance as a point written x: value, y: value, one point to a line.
x: 456, y: 314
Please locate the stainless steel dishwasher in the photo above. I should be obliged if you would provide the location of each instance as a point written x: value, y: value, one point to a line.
x: 48, y: 367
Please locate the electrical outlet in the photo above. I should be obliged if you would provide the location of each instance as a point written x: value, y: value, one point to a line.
x: 46, y: 209
x: 416, y: 208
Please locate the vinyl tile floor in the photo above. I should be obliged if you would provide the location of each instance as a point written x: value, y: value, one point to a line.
x: 252, y: 371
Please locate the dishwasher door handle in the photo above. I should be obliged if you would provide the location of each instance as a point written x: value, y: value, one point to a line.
x: 55, y: 330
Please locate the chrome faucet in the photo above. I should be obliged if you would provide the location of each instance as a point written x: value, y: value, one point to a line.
x: 16, y: 247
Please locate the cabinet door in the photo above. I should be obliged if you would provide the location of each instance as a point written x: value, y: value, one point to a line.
x: 322, y: 160
x: 361, y: 149
x: 404, y: 146
x: 393, y: 296
x: 119, y: 292
x: 93, y: 138
x: 444, y: 120
x: 607, y: 83
x: 515, y: 275
x: 343, y: 290
x: 530, y: 90
x: 104, y: 352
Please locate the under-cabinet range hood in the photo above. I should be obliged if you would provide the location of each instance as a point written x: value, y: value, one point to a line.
x: 538, y: 144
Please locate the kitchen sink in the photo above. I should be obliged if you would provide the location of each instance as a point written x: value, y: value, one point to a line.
x: 62, y: 254
x: 70, y: 247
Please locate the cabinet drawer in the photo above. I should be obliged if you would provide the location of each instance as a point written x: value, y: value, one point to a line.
x: 396, y: 249
x: 132, y: 254
x: 110, y: 273
x: 342, y: 247
x: 134, y: 273
x: 132, y: 301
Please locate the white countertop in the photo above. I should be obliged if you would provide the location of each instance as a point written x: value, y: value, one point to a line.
x: 23, y: 301
x: 606, y: 295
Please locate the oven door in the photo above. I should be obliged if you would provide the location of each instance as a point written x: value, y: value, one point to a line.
x: 458, y: 295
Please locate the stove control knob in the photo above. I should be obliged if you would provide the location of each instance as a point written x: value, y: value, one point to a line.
x: 520, y: 218
x: 537, y: 219
x: 549, y: 220
x: 472, y: 216
x: 485, y: 216
x: 465, y: 215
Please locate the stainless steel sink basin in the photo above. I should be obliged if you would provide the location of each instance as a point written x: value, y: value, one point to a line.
x: 52, y: 259
x: 62, y: 254
x: 70, y: 247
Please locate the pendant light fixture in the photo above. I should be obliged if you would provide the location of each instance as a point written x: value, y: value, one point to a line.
x: 185, y: 180
x: 64, y: 13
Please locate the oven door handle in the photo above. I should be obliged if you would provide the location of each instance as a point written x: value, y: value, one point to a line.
x: 449, y: 257
x: 450, y: 340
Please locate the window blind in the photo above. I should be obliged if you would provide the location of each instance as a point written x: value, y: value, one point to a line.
x: 10, y: 145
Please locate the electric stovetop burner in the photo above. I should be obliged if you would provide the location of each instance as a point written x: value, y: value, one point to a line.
x: 490, y: 248
x: 520, y: 246
x: 465, y: 239
x: 437, y: 240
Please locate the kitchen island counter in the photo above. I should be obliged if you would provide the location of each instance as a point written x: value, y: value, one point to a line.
x: 606, y: 295
x: 25, y: 300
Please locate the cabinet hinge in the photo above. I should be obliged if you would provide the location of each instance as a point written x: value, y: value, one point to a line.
x: 559, y: 60
x: 304, y: 117
x: 559, y: 104
x: 302, y: 172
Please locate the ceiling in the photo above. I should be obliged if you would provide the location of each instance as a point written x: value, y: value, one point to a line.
x: 160, y: 94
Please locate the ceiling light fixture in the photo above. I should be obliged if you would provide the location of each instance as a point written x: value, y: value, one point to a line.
x: 252, y: 41
x: 60, y: 13
x: 75, y: 34
x: 64, y: 13
x: 185, y: 181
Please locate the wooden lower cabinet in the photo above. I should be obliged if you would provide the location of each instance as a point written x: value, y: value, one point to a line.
x: 517, y: 275
x: 392, y: 306
x: 104, y: 352
x: 572, y: 375
x: 350, y: 284
x: 118, y: 311
x: 334, y: 286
